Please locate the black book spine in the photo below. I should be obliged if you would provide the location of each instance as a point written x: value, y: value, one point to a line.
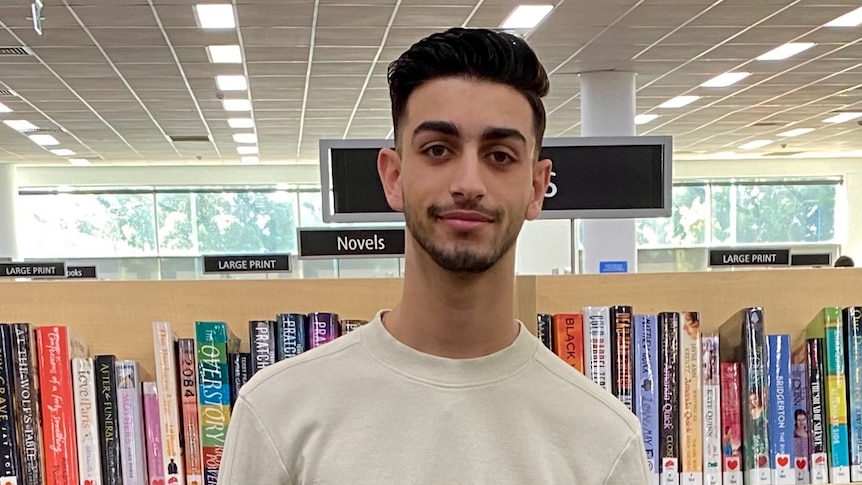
x: 292, y: 334
x: 263, y: 343
x: 669, y: 385
x: 106, y: 401
x: 9, y: 463
x: 816, y: 385
x: 545, y: 330
x: 240, y: 370
x: 27, y: 405
x: 621, y: 335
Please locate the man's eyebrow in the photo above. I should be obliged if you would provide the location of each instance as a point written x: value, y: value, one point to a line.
x: 443, y: 127
x: 499, y: 133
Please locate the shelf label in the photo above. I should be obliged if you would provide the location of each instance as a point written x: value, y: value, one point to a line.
x: 33, y: 270
x: 613, y: 266
x: 81, y: 272
x: 749, y: 257
x: 356, y: 243
x: 247, y: 263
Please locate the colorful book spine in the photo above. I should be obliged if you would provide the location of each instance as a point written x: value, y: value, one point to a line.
x: 214, y: 342
x: 781, y: 453
x: 711, y: 380
x: 56, y: 347
x: 646, y: 402
x: 544, y: 330
x: 801, y: 424
x: 669, y: 365
x: 691, y: 400
x: 109, y: 439
x: 322, y: 328
x: 828, y: 325
x: 731, y: 423
x: 597, y: 321
x: 568, y: 330
x: 10, y: 467
x: 27, y: 404
x: 755, y: 416
x: 621, y: 352
x: 189, y: 399
x: 87, y: 421
x: 293, y: 335
x: 818, y: 460
x: 153, y: 432
x: 131, y: 420
x: 348, y: 326
x: 165, y: 341
x: 852, y: 317
x: 263, y: 342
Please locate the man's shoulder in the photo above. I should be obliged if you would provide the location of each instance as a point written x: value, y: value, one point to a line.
x: 317, y: 363
x: 585, y: 398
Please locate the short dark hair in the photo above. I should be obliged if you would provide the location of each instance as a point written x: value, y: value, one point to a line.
x: 844, y: 262
x: 472, y: 53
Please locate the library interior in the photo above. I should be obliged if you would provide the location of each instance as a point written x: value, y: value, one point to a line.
x: 190, y: 185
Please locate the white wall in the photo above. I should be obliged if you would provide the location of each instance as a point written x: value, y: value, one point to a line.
x: 543, y: 245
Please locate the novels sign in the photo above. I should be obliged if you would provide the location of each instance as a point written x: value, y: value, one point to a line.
x: 81, y: 272
x: 33, y: 270
x: 341, y: 243
x: 749, y: 257
x: 247, y: 263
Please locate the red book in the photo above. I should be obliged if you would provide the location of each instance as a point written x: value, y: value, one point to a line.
x: 55, y: 347
x: 569, y: 339
x: 731, y: 422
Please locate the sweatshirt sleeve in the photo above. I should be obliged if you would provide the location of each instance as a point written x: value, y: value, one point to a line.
x: 249, y: 454
x: 631, y: 467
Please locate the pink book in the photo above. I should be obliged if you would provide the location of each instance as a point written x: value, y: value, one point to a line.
x: 731, y: 423
x: 153, y: 429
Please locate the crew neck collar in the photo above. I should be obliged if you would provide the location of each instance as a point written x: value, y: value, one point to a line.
x: 443, y: 371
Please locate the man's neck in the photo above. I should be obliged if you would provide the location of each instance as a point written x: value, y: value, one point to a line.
x: 455, y: 316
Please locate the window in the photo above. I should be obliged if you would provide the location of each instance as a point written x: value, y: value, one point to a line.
x: 785, y: 213
x: 687, y: 225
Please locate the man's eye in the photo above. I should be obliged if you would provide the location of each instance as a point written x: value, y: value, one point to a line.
x: 436, y: 151
x: 501, y: 157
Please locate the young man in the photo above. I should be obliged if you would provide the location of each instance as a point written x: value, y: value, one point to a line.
x: 447, y: 387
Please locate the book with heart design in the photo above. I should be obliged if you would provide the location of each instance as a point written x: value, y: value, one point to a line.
x: 801, y: 413
x: 646, y: 403
x: 781, y: 452
x: 711, y: 385
x: 731, y: 423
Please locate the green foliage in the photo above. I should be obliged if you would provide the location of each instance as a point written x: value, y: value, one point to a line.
x: 127, y: 221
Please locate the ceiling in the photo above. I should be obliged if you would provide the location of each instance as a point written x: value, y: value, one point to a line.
x: 113, y: 80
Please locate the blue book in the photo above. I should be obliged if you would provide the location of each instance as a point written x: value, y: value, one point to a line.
x: 646, y: 403
x: 853, y: 369
x: 781, y: 444
x: 292, y: 335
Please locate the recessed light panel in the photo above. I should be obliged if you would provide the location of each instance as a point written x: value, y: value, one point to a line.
x: 215, y: 16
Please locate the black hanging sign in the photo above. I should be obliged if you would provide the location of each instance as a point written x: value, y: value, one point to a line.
x: 81, y: 272
x: 749, y: 257
x: 350, y: 243
x: 33, y: 270
x: 247, y: 263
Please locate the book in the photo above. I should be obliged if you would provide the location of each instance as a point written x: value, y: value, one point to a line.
x: 621, y: 353
x: 691, y: 400
x: 818, y: 460
x: 293, y: 335
x: 646, y: 402
x: 597, y: 333
x: 167, y: 377
x: 323, y: 327
x: 544, y: 330
x: 153, y: 433
x: 853, y: 367
x: 568, y: 331
x: 10, y: 467
x: 27, y: 404
x: 106, y: 400
x: 263, y: 342
x: 87, y: 421
x: 731, y: 422
x: 131, y: 422
x: 801, y: 425
x: 711, y: 391
x: 240, y: 373
x: 781, y: 453
x: 187, y: 354
x: 669, y: 366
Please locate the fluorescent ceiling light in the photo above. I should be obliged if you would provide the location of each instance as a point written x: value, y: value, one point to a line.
x: 842, y: 117
x: 215, y: 16
x: 232, y: 83
x: 240, y: 122
x: 236, y: 104
x: 726, y: 79
x: 20, y: 125
x: 526, y: 16
x: 5, y: 109
x: 643, y: 119
x: 62, y: 152
x: 44, y: 140
x: 246, y: 150
x: 755, y: 144
x: 249, y: 160
x: 679, y: 102
x: 726, y: 154
x: 785, y: 51
x: 245, y: 138
x: 796, y: 132
x: 224, y: 54
x: 850, y: 19
x: 81, y: 162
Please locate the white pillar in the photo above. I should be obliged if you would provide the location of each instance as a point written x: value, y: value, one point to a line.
x: 608, y: 108
x: 8, y: 196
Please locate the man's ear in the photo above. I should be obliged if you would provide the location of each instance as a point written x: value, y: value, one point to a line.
x: 541, y: 180
x: 389, y: 170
